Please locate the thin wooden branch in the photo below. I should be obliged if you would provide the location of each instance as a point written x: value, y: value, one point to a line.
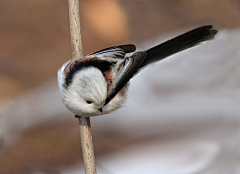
x: 84, y: 122
x: 87, y: 145
x: 75, y: 28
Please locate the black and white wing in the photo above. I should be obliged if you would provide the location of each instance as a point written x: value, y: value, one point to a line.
x: 126, y: 71
x: 115, y: 52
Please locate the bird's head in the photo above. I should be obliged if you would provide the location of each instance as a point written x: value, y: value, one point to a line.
x: 85, y: 95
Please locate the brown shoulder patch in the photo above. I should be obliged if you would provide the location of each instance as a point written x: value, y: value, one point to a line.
x: 109, y: 78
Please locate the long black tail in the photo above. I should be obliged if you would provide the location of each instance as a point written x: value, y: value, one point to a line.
x: 179, y: 43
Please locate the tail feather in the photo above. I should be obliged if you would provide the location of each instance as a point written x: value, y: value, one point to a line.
x: 179, y: 43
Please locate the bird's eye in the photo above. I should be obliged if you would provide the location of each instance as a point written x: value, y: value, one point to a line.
x: 89, y: 102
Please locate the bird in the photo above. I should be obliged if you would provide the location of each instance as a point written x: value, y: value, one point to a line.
x: 97, y: 83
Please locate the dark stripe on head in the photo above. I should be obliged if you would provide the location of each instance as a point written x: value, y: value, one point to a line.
x: 78, y: 65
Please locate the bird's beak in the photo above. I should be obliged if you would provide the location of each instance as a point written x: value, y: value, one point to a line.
x: 100, y: 110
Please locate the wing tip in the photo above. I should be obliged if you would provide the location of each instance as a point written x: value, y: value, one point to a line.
x: 128, y: 48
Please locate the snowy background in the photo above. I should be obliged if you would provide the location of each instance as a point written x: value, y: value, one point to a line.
x: 181, y: 117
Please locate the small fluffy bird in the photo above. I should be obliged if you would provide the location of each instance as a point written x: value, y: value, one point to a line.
x: 97, y: 83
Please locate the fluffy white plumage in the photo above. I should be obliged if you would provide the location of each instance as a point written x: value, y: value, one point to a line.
x: 87, y: 93
x: 97, y: 84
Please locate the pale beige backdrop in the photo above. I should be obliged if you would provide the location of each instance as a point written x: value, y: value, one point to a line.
x: 37, y: 133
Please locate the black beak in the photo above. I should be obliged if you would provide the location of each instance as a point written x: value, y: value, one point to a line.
x: 100, y: 109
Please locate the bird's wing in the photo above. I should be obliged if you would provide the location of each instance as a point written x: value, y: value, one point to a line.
x: 126, y: 71
x: 115, y: 52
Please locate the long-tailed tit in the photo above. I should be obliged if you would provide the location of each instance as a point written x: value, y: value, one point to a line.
x: 97, y: 83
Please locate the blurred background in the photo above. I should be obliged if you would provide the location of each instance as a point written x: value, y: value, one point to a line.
x: 181, y: 116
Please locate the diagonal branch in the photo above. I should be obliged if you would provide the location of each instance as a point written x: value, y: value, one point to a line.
x: 84, y: 122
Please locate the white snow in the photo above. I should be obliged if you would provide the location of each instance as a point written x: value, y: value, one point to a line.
x: 193, y: 96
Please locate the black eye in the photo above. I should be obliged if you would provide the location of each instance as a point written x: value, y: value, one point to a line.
x: 89, y: 102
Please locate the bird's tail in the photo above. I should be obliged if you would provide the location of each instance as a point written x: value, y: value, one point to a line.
x: 179, y: 43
